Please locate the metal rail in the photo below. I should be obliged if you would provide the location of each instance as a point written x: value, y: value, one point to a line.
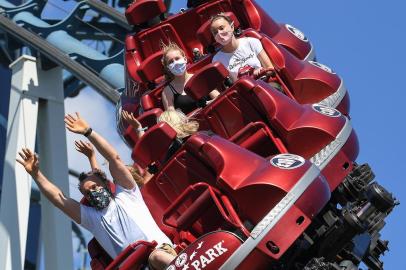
x: 59, y: 57
x: 110, y: 13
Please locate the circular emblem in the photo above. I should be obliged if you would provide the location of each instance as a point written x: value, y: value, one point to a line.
x: 299, y: 34
x: 331, y: 112
x: 323, y: 67
x: 171, y: 267
x: 287, y: 161
x: 181, y: 260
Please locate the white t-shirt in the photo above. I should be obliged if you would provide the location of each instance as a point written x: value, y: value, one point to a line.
x: 125, y: 221
x: 245, y: 55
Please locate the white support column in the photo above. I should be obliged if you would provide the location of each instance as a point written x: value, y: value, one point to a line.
x: 34, y: 91
x: 16, y: 189
x: 56, y: 228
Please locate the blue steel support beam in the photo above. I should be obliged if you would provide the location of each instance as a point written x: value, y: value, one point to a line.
x: 110, y: 69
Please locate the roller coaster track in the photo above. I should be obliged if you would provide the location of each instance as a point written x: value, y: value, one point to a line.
x: 62, y: 59
x: 30, y: 32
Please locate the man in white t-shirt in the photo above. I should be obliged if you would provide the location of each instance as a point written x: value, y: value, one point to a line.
x: 115, y: 220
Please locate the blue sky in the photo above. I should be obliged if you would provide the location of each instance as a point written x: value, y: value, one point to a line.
x: 363, y: 41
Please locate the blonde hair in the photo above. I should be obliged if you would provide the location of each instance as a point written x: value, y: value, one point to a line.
x: 166, y: 48
x: 136, y: 174
x: 179, y: 122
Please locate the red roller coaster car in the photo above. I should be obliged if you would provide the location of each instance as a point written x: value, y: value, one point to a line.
x: 270, y: 181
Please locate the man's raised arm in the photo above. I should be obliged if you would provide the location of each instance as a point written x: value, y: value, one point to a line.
x: 118, y: 170
x: 69, y: 206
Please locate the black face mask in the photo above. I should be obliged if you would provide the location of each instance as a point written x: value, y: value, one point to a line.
x: 99, y: 199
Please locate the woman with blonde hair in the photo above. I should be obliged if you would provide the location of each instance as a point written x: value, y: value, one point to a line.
x: 174, y: 63
x: 183, y: 126
x: 180, y: 123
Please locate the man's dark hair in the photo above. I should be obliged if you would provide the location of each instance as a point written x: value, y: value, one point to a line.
x: 99, y: 173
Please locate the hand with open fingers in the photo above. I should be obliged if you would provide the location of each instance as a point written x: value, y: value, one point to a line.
x: 76, y: 124
x: 130, y: 119
x: 29, y: 160
x: 257, y: 71
x: 85, y: 148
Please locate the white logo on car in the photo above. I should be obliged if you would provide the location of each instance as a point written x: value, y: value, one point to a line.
x: 181, y: 260
x: 328, y: 111
x: 296, y: 32
x: 209, y: 256
x: 287, y: 161
x: 322, y: 66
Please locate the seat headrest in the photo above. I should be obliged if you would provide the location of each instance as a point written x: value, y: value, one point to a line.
x: 151, y: 68
x: 205, y: 80
x: 96, y: 251
x: 142, y: 11
x: 154, y: 144
x: 204, y: 34
x: 147, y: 102
x: 149, y: 118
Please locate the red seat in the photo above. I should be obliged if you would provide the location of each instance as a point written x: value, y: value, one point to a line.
x: 249, y: 101
x: 244, y: 125
x: 205, y: 12
x: 258, y: 138
x: 206, y: 79
x: 153, y: 146
x: 303, y: 81
x: 147, y: 119
x: 149, y: 41
x: 150, y: 70
x: 181, y: 171
x: 306, y: 81
x: 134, y: 256
x: 184, y: 191
x: 143, y: 54
x: 100, y: 258
x: 139, y: 12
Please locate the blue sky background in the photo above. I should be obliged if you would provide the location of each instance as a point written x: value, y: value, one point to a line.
x: 363, y: 41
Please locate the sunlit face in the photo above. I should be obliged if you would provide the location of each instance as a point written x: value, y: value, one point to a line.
x: 173, y: 55
x: 220, y: 25
x: 91, y: 183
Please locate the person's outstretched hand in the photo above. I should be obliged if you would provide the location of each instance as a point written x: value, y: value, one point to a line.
x: 76, y: 124
x: 130, y: 119
x: 29, y: 160
x: 85, y: 148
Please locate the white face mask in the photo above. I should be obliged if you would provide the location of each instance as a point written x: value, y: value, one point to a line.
x: 224, y: 37
x: 178, y: 67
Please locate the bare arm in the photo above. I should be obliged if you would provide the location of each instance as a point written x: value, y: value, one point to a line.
x: 86, y: 149
x: 265, y: 60
x: 31, y: 164
x: 117, y: 168
x: 168, y: 99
